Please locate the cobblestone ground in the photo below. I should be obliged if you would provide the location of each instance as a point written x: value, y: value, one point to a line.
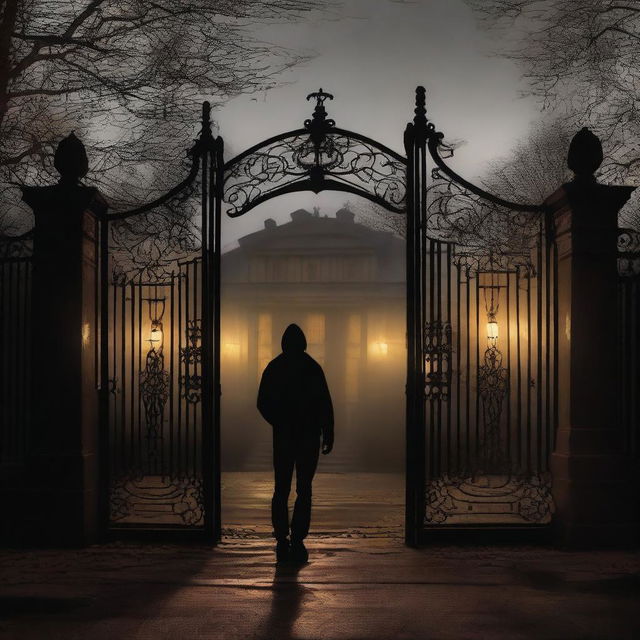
x: 361, y: 583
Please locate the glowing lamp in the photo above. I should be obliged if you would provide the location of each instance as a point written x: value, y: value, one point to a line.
x: 155, y: 335
x: 492, y: 330
x: 382, y: 348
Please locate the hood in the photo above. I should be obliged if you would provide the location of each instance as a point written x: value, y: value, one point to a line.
x: 293, y: 339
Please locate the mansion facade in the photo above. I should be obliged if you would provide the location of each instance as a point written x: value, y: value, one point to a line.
x: 343, y: 283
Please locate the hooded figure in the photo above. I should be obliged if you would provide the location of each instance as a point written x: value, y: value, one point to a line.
x: 294, y: 398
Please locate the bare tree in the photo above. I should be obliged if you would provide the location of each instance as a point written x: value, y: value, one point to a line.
x: 528, y: 173
x: 535, y: 166
x: 378, y: 218
x: 582, y: 59
x: 128, y: 76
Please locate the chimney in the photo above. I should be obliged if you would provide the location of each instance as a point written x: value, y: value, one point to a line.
x: 270, y: 224
x: 345, y: 215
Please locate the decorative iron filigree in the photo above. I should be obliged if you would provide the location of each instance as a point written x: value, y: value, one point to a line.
x: 157, y: 499
x: 467, y: 499
x: 628, y: 252
x: 191, y: 355
x: 191, y: 387
x: 493, y: 384
x: 474, y: 263
x: 456, y: 214
x: 150, y: 245
x: 437, y: 354
x: 154, y: 391
x: 352, y: 164
x: 12, y: 247
x: 476, y: 220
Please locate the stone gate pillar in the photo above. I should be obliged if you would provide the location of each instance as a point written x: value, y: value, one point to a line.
x: 592, y: 476
x: 62, y: 493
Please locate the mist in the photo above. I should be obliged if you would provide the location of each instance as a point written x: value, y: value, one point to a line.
x: 342, y: 282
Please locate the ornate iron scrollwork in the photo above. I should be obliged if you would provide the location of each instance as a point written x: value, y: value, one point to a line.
x: 191, y: 355
x: 154, y: 391
x: 466, y: 499
x: 154, y: 380
x: 437, y: 354
x: 487, y: 262
x: 628, y: 252
x: 493, y: 384
x: 459, y: 215
x: 165, y: 500
x: 12, y: 247
x: 317, y: 157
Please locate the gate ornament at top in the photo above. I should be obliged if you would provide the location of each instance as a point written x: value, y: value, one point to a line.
x: 318, y: 157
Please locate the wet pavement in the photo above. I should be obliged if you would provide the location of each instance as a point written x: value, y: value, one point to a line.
x: 352, y: 588
x: 365, y: 504
x: 361, y: 583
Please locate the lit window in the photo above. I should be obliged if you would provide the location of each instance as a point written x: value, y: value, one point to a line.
x: 265, y: 352
x: 315, y: 333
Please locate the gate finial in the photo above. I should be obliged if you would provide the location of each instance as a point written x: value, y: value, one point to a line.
x: 585, y: 153
x: 205, y: 140
x: 421, y: 112
x: 320, y: 97
x: 206, y: 115
x: 70, y: 159
x: 319, y: 125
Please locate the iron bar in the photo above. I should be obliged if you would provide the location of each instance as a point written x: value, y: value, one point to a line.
x: 539, y: 339
x: 529, y: 379
x: 519, y: 369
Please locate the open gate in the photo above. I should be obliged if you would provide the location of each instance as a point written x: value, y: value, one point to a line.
x: 480, y: 331
x: 481, y: 351
x: 160, y: 354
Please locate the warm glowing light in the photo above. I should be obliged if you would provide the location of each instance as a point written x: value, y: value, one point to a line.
x: 232, y: 349
x: 86, y: 333
x: 155, y: 335
x: 380, y: 348
x: 492, y: 330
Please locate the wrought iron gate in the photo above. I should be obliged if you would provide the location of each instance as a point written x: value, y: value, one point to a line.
x: 489, y: 387
x: 480, y: 331
x: 480, y: 365
x: 160, y: 346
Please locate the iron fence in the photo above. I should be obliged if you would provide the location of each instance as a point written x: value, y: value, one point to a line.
x: 15, y: 348
x: 629, y: 338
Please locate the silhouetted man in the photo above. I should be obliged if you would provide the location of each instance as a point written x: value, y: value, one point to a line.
x: 294, y: 398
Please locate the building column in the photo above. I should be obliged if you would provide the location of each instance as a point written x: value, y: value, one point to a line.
x: 63, y: 457
x: 592, y: 475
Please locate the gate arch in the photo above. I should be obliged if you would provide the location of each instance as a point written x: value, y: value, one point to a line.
x: 161, y: 406
x: 318, y: 157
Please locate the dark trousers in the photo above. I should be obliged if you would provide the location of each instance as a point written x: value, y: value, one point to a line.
x: 293, y: 447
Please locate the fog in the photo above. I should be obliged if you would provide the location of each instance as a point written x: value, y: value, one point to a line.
x: 343, y: 284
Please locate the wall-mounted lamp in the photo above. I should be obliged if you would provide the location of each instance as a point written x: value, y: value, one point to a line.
x: 492, y: 329
x: 155, y: 335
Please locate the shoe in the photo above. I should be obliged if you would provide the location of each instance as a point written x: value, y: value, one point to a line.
x: 298, y: 552
x: 282, y: 551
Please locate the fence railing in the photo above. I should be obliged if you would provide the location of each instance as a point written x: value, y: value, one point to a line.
x: 629, y: 338
x: 15, y: 348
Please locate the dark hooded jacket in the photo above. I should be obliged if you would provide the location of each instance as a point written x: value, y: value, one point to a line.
x: 293, y: 390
